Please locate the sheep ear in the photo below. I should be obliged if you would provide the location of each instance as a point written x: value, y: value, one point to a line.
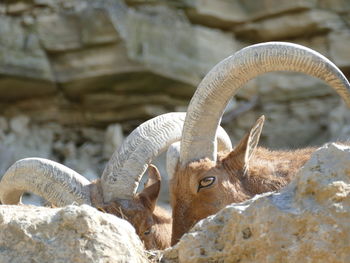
x: 150, y: 193
x: 240, y: 156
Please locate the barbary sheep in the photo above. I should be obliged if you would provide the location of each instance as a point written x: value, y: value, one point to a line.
x: 115, y: 192
x: 204, y: 181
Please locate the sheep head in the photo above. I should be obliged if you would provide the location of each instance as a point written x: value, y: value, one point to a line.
x: 204, y: 180
x: 207, y: 186
x: 152, y: 224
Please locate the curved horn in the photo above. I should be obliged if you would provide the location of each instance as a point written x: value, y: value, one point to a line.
x: 228, y: 76
x: 55, y: 182
x: 127, y: 165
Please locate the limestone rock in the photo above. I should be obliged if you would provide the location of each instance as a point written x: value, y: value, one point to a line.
x: 164, y: 197
x: 286, y: 86
x: 74, y: 31
x: 85, y: 159
x: 86, y: 49
x: 340, y: 6
x: 290, y: 25
x: 16, y: 8
x: 159, y: 38
x: 221, y: 13
x: 19, y: 124
x: 2, y: 8
x: 226, y: 13
x: 104, y: 57
x: 23, y: 140
x: 66, y: 35
x: 22, y: 58
x: 339, y: 51
x: 292, y: 125
x: 307, y: 220
x: 136, y: 113
x: 92, y: 65
x: 339, y: 123
x: 266, y: 8
x: 69, y: 234
x: 3, y: 124
x: 113, y: 139
x: 79, y: 149
x: 319, y: 43
x: 100, y: 32
x: 103, y: 101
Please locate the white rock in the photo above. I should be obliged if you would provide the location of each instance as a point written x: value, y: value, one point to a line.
x: 113, y: 139
x: 19, y: 124
x: 290, y: 25
x: 69, y: 234
x: 3, y: 124
x: 339, y: 51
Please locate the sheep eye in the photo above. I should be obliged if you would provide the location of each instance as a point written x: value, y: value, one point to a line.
x: 147, y: 232
x: 206, y: 182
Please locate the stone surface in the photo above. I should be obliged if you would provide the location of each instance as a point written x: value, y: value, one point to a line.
x: 317, y: 42
x: 159, y: 38
x: 113, y: 139
x: 266, y: 8
x: 288, y: 87
x: 339, y: 123
x: 226, y: 14
x: 74, y: 31
x: 22, y: 140
x: 222, y: 13
x: 340, y: 6
x: 66, y: 35
x: 21, y: 59
x: 307, y: 220
x: 92, y: 65
x: 69, y: 234
x: 290, y: 25
x: 339, y: 51
x: 79, y: 149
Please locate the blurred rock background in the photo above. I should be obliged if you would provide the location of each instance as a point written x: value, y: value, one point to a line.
x: 76, y: 76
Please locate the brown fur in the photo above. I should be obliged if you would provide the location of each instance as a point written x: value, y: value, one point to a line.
x: 152, y: 223
x: 235, y: 181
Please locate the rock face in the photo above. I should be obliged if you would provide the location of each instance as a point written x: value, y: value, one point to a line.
x: 71, y: 234
x: 307, y: 220
x: 72, y: 146
x: 126, y: 61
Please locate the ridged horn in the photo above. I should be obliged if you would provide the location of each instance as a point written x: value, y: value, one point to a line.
x: 55, y: 182
x: 228, y: 76
x: 124, y: 170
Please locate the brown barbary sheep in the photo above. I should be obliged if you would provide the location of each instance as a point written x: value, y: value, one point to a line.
x: 115, y: 192
x: 152, y: 223
x: 204, y: 180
